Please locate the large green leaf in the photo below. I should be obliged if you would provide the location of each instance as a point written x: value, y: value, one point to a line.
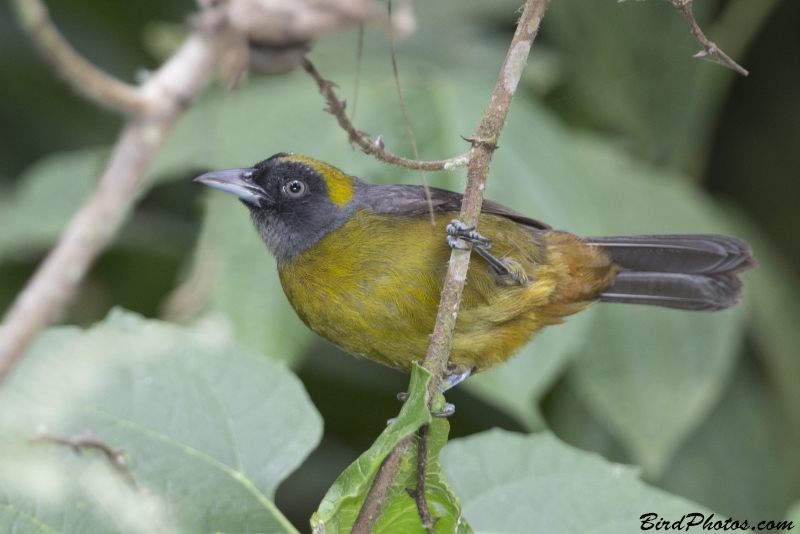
x: 743, y: 461
x: 533, y: 484
x: 340, y: 507
x: 775, y: 292
x: 208, y: 427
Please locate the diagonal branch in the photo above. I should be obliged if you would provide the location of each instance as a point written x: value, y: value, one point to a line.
x: 167, y: 92
x: 685, y: 7
x: 337, y: 108
x: 484, y: 143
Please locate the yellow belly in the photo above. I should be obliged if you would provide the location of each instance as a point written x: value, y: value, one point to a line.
x: 372, y: 287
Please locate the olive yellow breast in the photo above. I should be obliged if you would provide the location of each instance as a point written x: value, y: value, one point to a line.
x: 373, y: 286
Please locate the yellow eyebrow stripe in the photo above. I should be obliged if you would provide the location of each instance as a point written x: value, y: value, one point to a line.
x: 340, y: 186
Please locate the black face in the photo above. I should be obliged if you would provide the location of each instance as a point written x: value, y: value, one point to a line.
x: 288, y: 201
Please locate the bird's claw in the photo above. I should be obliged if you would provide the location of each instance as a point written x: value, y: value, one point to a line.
x: 458, y: 233
x: 459, y: 230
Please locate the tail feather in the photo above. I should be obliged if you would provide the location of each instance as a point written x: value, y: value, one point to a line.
x: 689, y: 272
x: 693, y: 253
x: 696, y: 292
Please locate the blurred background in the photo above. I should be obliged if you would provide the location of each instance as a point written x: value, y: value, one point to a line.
x: 616, y: 129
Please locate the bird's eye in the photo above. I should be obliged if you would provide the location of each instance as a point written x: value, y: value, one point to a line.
x: 295, y: 189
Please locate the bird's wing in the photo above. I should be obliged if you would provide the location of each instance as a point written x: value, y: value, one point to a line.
x: 411, y: 200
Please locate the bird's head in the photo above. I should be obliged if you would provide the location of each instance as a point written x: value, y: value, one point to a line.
x: 294, y: 200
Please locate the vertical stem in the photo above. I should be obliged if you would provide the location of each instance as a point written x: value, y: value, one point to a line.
x: 484, y: 143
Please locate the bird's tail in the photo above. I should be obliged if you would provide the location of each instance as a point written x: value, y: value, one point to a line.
x: 688, y: 272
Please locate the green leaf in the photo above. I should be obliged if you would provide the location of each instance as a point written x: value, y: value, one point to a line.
x: 338, y: 510
x: 401, y: 513
x: 775, y: 292
x: 209, y: 429
x: 341, y: 505
x: 530, y: 484
x: 653, y: 374
x: 45, y: 199
x: 743, y: 460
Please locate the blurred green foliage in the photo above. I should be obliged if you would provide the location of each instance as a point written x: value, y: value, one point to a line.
x: 616, y: 129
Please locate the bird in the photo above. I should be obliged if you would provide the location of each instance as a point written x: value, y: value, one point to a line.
x: 363, y: 266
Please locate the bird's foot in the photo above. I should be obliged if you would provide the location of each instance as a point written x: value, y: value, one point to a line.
x: 458, y: 232
x: 454, y: 376
x: 449, y: 409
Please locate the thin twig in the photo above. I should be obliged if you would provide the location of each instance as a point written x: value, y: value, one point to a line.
x: 88, y: 441
x: 484, y: 143
x: 336, y: 107
x: 84, y: 77
x: 168, y: 91
x: 418, y: 494
x: 685, y: 7
x: 409, y: 131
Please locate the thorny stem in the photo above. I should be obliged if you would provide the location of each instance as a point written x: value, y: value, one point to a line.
x: 685, y: 7
x: 484, y: 143
x: 336, y: 107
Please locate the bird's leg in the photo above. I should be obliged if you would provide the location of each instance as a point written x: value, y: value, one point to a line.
x: 449, y: 409
x: 457, y: 231
x: 452, y: 378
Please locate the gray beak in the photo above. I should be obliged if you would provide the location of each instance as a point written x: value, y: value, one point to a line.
x: 237, y: 182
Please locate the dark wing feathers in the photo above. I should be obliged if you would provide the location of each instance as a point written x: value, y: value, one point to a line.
x: 411, y: 200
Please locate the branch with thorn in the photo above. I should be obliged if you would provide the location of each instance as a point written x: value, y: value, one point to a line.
x: 709, y: 48
x: 376, y: 148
